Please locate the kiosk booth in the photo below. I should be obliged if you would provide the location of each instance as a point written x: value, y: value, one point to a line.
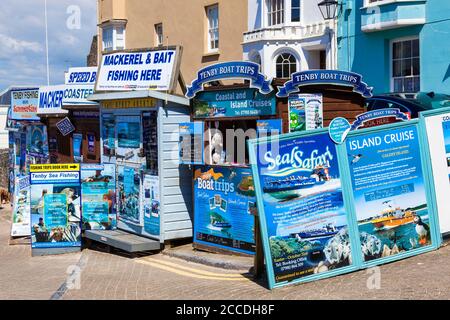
x: 139, y: 135
x: 224, y: 118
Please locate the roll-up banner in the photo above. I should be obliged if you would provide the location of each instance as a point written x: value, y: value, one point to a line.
x: 326, y: 209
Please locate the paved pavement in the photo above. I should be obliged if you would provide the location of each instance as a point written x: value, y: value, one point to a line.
x: 101, y: 275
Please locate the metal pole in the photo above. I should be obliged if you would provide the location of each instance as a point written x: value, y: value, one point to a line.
x: 46, y: 42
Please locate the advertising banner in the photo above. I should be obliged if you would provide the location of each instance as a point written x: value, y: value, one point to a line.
x: 233, y: 103
x: 230, y: 70
x: 318, y: 222
x: 151, y: 204
x: 305, y: 112
x: 37, y: 141
x: 191, y: 144
x: 65, y: 126
x: 77, y: 144
x: 267, y: 128
x: 437, y: 126
x: 224, y: 208
x: 55, y: 206
x: 138, y: 70
x: 317, y: 77
x: 108, y: 138
x: 21, y: 209
x: 98, y: 196
x: 150, y: 141
x: 24, y: 105
x: 53, y: 98
x: 128, y: 139
x: 81, y: 75
x: 304, y: 216
x: 128, y: 195
x: 389, y: 192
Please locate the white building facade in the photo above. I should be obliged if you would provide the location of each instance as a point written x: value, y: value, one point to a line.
x: 286, y: 36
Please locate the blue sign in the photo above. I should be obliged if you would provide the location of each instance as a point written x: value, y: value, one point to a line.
x: 230, y: 70
x: 77, y: 142
x: 389, y: 192
x: 224, y: 208
x: 379, y: 114
x: 234, y: 103
x: 98, y: 190
x: 191, y: 144
x: 65, y: 126
x: 55, y: 206
x: 303, y: 218
x: 339, y: 129
x: 316, y: 77
x: 151, y: 205
x: 81, y: 75
x: 55, y: 210
x: 271, y: 127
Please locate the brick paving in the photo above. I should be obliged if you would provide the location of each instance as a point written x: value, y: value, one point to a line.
x: 110, y: 276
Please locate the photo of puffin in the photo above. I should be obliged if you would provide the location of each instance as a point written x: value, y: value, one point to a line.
x: 423, y: 230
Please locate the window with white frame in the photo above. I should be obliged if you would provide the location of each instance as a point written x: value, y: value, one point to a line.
x: 295, y: 10
x: 275, y: 12
x: 159, y: 35
x: 107, y: 36
x: 406, y: 65
x: 212, y: 13
x: 113, y: 36
x: 286, y: 64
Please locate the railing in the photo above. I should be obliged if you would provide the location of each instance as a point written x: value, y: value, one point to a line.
x: 288, y: 32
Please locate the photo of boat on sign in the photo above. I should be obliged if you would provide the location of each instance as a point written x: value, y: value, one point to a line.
x: 304, y: 208
x: 389, y: 193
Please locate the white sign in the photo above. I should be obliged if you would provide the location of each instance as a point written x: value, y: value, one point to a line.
x: 21, y: 210
x: 146, y: 70
x: 53, y: 98
x: 438, y: 132
x: 53, y: 177
x: 81, y: 75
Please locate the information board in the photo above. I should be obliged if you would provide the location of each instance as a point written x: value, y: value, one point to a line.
x: 304, y: 213
x: 327, y: 208
x: 191, y: 144
x: 224, y: 208
x: 21, y: 209
x: 151, y: 204
x: 305, y: 112
x: 98, y: 196
x: 55, y: 206
x: 389, y: 194
x: 437, y: 127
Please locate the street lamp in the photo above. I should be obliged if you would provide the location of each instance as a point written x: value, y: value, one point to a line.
x: 328, y: 9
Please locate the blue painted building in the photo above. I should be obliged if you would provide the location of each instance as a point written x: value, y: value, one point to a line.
x: 397, y: 45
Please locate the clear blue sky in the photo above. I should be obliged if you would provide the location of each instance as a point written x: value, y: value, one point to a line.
x: 22, y: 39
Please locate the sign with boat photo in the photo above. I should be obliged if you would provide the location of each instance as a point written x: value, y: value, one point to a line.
x: 327, y: 209
x: 304, y: 213
x: 224, y: 208
x: 389, y: 192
